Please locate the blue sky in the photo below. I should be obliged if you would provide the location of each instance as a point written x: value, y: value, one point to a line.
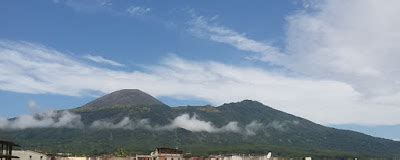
x: 130, y: 39
x: 333, y: 62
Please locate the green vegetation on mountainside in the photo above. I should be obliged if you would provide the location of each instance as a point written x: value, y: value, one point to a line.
x: 281, y: 133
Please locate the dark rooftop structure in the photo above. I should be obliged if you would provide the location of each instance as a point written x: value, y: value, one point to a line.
x: 168, y: 151
x: 6, y: 150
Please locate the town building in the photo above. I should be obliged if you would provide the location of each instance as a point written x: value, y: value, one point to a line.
x: 167, y: 154
x: 29, y: 155
x: 143, y: 157
x: 7, y: 149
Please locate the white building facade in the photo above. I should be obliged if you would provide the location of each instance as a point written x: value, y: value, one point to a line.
x: 29, y: 155
x: 167, y: 154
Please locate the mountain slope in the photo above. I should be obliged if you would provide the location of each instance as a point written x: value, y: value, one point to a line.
x: 125, y: 97
x: 276, y: 131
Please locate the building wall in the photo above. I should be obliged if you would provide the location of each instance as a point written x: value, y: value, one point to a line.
x: 244, y: 157
x: 28, y: 155
x: 166, y: 156
x: 72, y: 158
x: 95, y: 158
x: 143, y: 157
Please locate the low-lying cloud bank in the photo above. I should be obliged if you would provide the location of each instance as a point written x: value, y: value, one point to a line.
x: 185, y: 121
x: 194, y: 124
x: 66, y: 119
x: 51, y: 119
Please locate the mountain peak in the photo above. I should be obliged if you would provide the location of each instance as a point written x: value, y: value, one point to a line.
x: 124, y: 97
x: 245, y: 103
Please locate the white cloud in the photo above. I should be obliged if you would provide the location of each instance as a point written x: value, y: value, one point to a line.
x: 100, y: 59
x: 51, y: 119
x: 104, y: 6
x: 252, y: 127
x: 195, y: 125
x: 125, y: 123
x: 192, y: 123
x: 184, y: 121
x: 203, y: 27
x: 137, y: 10
x: 66, y: 119
x: 349, y: 41
x: 32, y: 68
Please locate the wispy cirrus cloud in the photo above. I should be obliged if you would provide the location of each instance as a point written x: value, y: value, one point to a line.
x: 37, y: 69
x: 88, y: 6
x: 137, y: 10
x: 206, y: 28
x: 102, y: 60
x: 94, y: 6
